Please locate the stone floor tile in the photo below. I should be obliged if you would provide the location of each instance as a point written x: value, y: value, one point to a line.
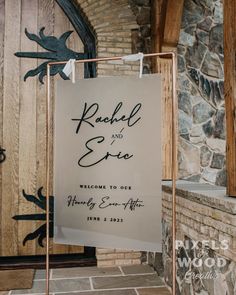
x: 84, y: 272
x: 67, y: 285
x: 127, y: 281
x: 137, y: 269
x: 154, y: 291
x: 109, y: 292
x: 40, y: 274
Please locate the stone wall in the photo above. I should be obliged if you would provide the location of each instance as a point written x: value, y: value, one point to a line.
x: 205, y: 218
x: 200, y: 93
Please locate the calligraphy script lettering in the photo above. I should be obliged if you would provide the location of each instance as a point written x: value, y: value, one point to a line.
x: 90, y: 111
x: 85, y: 160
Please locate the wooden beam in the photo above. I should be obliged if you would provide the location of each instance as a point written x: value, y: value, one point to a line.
x: 172, y: 26
x: 157, y: 23
x: 230, y: 92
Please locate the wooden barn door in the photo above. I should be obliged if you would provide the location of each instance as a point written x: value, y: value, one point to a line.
x: 23, y: 124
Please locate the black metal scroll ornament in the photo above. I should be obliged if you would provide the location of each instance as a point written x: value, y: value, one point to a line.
x: 2, y: 155
x: 57, y: 50
x: 40, y: 232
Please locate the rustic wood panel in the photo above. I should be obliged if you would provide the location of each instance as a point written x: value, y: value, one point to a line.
x: 230, y: 92
x: 23, y: 120
x: 62, y: 24
x: 11, y: 105
x: 2, y: 30
x: 45, y: 19
x: 164, y: 67
x: 27, y: 127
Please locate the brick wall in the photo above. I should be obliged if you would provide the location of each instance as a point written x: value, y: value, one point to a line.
x: 115, y: 23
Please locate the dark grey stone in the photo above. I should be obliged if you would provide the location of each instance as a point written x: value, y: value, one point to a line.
x: 144, y: 257
x: 181, y: 64
x: 217, y: 96
x: 218, y: 161
x: 194, y: 75
x: 142, y: 2
x: 212, y: 66
x: 219, y: 131
x: 155, y: 260
x: 185, y: 136
x: 137, y: 269
x: 221, y: 87
x: 205, y: 87
x: 181, y: 49
x: 205, y: 3
x: 221, y: 178
x: 84, y: 272
x: 202, y: 36
x: 158, y: 264
x: 182, y: 255
x: 144, y: 16
x: 127, y: 281
x: 194, y: 91
x: 195, y: 54
x: 194, y: 178
x: 184, y: 83
x: 208, y: 128
x: 216, y: 39
x: 190, y: 30
x: 145, y: 31
x: 58, y: 286
x: 205, y: 156
x: 202, y: 112
x: 192, y: 14
x: 185, y: 122
x: 205, y: 24
x: 184, y: 102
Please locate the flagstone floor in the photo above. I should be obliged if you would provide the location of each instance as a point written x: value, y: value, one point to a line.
x: 126, y: 280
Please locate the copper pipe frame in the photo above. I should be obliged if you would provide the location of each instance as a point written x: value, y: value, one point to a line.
x: 173, y: 160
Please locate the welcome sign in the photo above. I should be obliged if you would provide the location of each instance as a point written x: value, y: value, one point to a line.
x: 107, y: 163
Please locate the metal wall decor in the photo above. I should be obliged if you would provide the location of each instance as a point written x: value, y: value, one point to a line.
x: 39, y: 201
x: 57, y: 49
x: 2, y: 155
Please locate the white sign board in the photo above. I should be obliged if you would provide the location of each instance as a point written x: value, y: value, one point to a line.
x: 107, y: 163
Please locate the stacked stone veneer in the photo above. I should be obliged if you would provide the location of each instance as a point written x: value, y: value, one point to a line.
x: 203, y: 213
x: 120, y: 30
x: 200, y: 92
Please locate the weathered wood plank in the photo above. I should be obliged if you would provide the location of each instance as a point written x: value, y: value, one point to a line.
x: 230, y: 92
x: 45, y: 19
x: 10, y: 173
x: 2, y: 30
x: 173, y: 20
x: 164, y: 67
x: 62, y: 25
x: 27, y: 127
